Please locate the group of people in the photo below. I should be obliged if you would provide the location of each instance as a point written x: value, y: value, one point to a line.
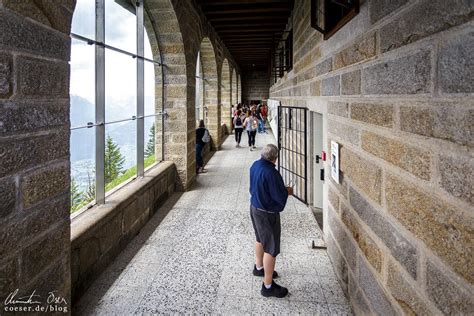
x: 251, y: 118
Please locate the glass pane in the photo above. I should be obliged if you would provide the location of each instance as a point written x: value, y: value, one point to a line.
x: 148, y: 50
x: 83, y: 20
x: 82, y: 83
x: 120, y: 25
x: 150, y: 135
x: 120, y: 153
x: 82, y: 167
x: 120, y: 86
x: 150, y: 88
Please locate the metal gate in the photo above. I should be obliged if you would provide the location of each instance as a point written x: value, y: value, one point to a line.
x: 292, y: 145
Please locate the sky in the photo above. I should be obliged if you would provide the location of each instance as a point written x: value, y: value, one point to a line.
x: 120, y: 69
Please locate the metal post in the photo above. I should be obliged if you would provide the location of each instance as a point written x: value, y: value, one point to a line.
x: 305, y: 154
x: 100, y: 102
x: 140, y: 91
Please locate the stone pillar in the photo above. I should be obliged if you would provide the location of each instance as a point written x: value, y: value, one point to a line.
x: 34, y: 149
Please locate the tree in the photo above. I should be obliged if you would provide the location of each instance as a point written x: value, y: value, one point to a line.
x: 150, y: 147
x: 76, y: 195
x: 113, y: 160
x: 89, y: 195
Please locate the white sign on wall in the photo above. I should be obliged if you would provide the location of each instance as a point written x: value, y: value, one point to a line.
x: 335, y: 161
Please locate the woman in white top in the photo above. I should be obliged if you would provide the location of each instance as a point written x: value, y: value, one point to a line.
x: 251, y: 124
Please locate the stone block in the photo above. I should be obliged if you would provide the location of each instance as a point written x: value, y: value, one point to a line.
x: 8, y: 195
x: 333, y: 199
x: 89, y: 255
x: 338, y: 262
x: 330, y: 86
x: 411, y: 159
x: 360, y: 51
x: 426, y: 18
x: 345, y: 132
x: 457, y: 176
x: 42, y: 253
x: 8, y: 279
x: 363, y: 173
x: 350, y: 83
x: 398, y: 245
x: 21, y: 116
x: 110, y: 233
x: 375, y: 293
x: 315, y: 88
x: 27, y: 36
x: 6, y: 87
x: 443, y: 121
x: 343, y: 240
x: 379, y: 9
x: 444, y: 229
x: 456, y: 65
x: 405, y: 75
x: 405, y: 294
x: 338, y: 108
x: 372, y: 113
x: 371, y: 251
x: 44, y: 184
x: 323, y: 67
x: 42, y: 78
x: 360, y: 305
x: 447, y: 294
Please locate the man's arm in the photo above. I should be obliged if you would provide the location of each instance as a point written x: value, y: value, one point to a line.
x: 278, y: 189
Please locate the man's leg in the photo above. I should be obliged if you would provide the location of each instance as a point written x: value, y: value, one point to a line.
x: 258, y: 254
x: 269, y: 267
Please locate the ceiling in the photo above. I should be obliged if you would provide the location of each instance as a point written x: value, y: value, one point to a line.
x: 249, y: 28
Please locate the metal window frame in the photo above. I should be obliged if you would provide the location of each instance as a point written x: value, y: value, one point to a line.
x: 100, y: 123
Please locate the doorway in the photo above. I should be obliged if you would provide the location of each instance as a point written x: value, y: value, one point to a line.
x: 317, y: 160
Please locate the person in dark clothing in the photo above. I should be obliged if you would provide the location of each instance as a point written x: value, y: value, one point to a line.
x: 202, y: 137
x: 238, y: 127
x: 268, y: 198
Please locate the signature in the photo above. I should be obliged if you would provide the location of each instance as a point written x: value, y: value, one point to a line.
x: 53, y: 299
x: 11, y: 298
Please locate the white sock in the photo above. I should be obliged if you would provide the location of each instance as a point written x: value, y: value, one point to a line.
x: 259, y: 268
x: 267, y: 286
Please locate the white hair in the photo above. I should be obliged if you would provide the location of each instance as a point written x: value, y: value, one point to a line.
x: 270, y: 152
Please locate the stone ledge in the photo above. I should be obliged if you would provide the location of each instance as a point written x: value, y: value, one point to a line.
x: 99, y: 234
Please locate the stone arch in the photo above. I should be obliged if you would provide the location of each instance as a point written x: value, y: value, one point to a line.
x: 177, y: 132
x: 226, y: 95
x: 211, y: 88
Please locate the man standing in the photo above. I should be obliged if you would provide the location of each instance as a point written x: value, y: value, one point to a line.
x: 269, y: 196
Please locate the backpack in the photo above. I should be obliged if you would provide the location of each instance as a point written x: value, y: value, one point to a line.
x: 238, y: 121
x: 206, y: 137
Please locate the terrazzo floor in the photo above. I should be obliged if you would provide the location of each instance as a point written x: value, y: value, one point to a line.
x: 196, y: 255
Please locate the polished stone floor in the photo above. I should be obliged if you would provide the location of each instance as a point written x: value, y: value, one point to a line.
x: 195, y: 256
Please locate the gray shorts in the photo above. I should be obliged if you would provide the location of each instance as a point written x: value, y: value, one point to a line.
x: 267, y: 230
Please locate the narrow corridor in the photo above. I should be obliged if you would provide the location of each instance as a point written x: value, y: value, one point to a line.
x: 196, y: 254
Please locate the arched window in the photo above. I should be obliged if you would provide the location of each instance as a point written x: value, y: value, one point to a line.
x: 112, y: 98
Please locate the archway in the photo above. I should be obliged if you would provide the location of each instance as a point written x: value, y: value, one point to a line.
x: 234, y: 87
x: 211, y: 98
x: 226, y: 97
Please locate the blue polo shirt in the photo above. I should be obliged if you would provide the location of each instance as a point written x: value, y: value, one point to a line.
x: 266, y: 187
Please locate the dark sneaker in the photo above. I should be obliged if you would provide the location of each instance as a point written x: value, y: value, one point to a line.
x: 261, y: 273
x: 275, y: 290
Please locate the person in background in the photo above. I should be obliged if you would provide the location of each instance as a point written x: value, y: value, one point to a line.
x: 268, y: 198
x: 238, y: 127
x: 251, y: 124
x: 258, y: 115
x: 202, y: 137
x: 263, y: 114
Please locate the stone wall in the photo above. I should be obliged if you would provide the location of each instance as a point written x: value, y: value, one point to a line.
x: 100, y: 235
x: 395, y: 87
x: 34, y: 149
x: 255, y: 86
